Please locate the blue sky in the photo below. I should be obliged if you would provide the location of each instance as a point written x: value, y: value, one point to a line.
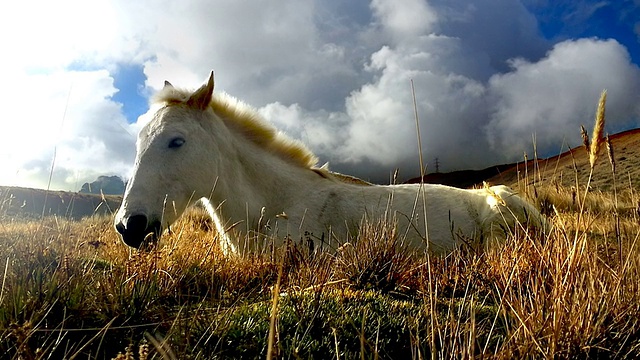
x: 490, y: 75
x: 563, y: 20
x: 130, y: 80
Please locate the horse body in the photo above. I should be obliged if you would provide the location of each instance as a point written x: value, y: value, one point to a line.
x: 453, y: 215
x: 258, y: 182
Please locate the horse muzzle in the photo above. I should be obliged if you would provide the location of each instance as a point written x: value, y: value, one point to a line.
x: 137, y: 230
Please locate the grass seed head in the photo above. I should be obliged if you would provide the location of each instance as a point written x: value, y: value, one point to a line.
x: 597, y: 138
x: 612, y: 159
x: 585, y: 138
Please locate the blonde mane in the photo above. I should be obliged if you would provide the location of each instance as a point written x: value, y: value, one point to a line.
x: 246, y: 120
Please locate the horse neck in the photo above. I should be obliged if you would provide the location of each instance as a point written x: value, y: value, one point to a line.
x: 251, y: 178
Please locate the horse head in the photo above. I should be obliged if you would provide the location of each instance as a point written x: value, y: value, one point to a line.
x: 173, y: 166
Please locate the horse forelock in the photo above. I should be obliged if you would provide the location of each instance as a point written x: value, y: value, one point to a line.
x: 170, y: 95
x: 247, y: 121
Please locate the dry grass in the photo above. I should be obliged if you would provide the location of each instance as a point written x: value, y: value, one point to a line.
x: 71, y: 289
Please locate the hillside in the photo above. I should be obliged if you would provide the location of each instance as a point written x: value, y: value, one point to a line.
x: 35, y: 202
x: 561, y: 169
x: 462, y: 178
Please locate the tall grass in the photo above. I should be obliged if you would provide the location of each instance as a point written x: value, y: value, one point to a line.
x: 71, y: 289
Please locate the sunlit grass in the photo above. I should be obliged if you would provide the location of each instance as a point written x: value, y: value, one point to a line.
x: 71, y: 289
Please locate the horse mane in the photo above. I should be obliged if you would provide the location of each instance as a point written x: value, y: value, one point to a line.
x: 246, y: 120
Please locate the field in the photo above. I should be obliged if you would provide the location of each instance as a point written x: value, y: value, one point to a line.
x: 71, y: 289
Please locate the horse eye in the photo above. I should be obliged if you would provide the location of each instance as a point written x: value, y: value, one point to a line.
x: 176, y: 143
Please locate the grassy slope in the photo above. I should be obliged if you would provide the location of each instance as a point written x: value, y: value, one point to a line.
x: 72, y: 288
x: 27, y: 202
x: 558, y: 168
x: 562, y: 169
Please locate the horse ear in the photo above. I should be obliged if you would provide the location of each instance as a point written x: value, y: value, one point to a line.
x: 167, y: 85
x: 202, y: 97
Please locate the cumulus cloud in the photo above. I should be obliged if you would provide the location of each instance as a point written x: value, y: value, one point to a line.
x: 404, y: 19
x: 344, y: 86
x: 334, y: 74
x: 267, y: 53
x: 321, y: 130
x: 551, y: 98
x: 383, y: 127
x: 70, y: 120
x: 484, y: 91
x: 449, y: 72
x: 57, y: 94
x: 449, y: 61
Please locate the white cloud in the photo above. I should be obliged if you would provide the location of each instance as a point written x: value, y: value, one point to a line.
x: 334, y: 74
x: 50, y: 35
x: 60, y: 100
x: 322, y: 131
x: 70, y: 116
x: 554, y: 96
x: 405, y: 19
x: 467, y: 121
x: 267, y: 53
x: 448, y: 71
x: 383, y: 128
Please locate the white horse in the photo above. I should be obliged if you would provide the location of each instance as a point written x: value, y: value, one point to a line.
x: 254, y: 179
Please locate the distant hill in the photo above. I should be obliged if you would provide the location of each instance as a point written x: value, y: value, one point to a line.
x: 560, y: 168
x: 17, y: 201
x: 108, y: 185
x: 462, y: 178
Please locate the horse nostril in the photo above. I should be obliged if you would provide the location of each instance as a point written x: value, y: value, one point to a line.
x: 137, y: 231
x: 133, y: 230
x: 136, y: 223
